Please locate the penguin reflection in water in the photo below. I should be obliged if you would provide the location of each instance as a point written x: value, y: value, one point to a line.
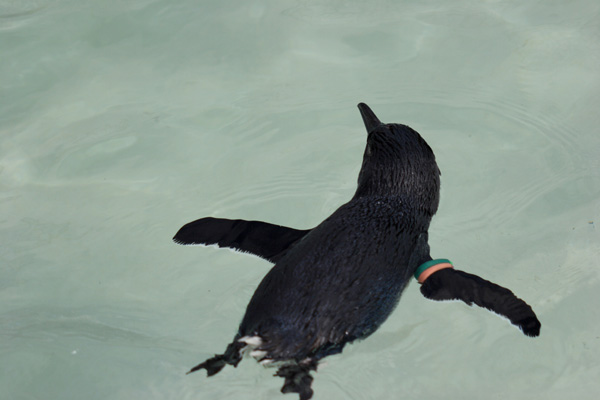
x: 338, y: 282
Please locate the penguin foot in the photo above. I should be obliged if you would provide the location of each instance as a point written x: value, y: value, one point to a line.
x: 212, y: 365
x: 298, y: 379
x: 215, y: 364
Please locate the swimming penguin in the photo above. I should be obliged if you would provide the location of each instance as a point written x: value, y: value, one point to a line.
x: 338, y: 282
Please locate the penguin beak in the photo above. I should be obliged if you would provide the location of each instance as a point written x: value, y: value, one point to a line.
x: 369, y: 118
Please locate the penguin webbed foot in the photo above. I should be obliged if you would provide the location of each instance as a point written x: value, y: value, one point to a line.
x: 451, y: 284
x: 297, y: 379
x: 212, y: 366
x: 215, y: 364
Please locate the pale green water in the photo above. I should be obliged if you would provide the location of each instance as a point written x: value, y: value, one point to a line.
x: 122, y: 120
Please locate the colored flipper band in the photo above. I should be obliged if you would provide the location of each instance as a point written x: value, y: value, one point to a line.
x: 426, y: 269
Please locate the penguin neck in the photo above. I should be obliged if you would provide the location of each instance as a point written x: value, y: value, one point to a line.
x: 423, y: 199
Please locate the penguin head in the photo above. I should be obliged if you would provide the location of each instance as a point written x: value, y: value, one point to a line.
x: 398, y: 162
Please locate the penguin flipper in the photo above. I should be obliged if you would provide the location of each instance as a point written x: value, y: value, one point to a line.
x: 265, y: 240
x: 451, y: 284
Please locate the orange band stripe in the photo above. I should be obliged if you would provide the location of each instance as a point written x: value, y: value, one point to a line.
x: 427, y: 273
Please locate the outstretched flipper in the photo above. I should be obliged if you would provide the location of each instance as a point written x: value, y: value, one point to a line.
x: 265, y: 240
x: 450, y: 284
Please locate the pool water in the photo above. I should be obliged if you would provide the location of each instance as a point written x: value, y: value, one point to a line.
x: 122, y: 120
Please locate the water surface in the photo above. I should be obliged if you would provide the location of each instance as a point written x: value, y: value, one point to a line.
x: 122, y: 120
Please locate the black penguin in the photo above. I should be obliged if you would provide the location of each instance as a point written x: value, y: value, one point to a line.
x: 339, y: 281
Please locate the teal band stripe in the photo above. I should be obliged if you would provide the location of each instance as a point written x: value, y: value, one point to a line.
x: 430, y: 264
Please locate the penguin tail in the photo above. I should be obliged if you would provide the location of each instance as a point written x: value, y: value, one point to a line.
x: 214, y: 365
x: 297, y: 378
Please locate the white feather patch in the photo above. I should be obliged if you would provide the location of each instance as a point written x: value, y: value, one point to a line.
x: 253, y: 341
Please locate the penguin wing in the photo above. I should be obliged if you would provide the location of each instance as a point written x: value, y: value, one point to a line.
x: 265, y: 240
x: 450, y: 284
